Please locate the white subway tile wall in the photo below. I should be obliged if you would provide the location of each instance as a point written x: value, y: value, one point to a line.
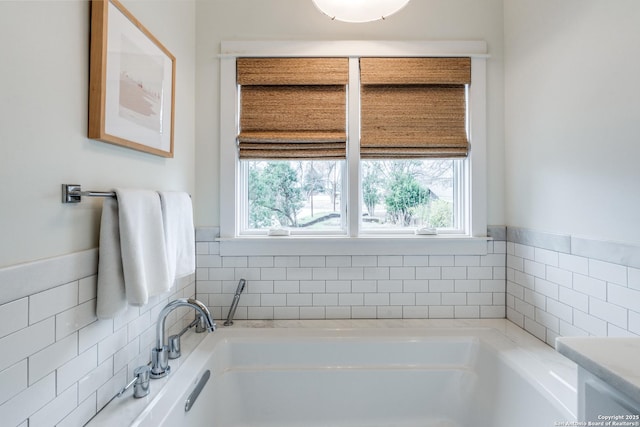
x: 551, y: 293
x: 353, y: 286
x: 60, y: 364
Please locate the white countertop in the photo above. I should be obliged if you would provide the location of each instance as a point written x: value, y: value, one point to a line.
x: 615, y: 361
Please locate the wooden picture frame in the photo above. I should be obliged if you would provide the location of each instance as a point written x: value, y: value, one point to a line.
x: 131, y: 82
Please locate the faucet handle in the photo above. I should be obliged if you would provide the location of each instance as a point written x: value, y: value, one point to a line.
x: 141, y: 386
x: 174, y: 346
x: 140, y: 382
x: 160, y: 362
x: 200, y: 326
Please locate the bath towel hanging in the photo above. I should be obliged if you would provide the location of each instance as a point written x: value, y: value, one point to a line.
x: 142, y: 242
x: 111, y: 295
x: 177, y: 216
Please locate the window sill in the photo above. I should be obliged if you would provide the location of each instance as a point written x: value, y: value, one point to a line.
x: 322, y: 245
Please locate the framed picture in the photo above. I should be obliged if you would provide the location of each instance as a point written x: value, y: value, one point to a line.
x: 131, y: 82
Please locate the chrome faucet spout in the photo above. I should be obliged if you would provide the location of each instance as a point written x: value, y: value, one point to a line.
x: 182, y: 302
x: 159, y: 355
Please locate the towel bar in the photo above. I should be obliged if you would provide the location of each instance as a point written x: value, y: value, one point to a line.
x: 72, y: 193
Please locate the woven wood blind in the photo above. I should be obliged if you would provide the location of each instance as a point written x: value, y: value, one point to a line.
x: 292, y: 108
x: 414, y: 107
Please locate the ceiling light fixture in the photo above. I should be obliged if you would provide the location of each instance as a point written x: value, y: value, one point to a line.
x: 359, y: 10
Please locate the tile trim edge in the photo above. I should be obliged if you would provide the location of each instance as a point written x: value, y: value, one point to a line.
x: 22, y: 280
x: 614, y: 252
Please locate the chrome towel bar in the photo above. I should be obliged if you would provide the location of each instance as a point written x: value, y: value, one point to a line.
x: 72, y: 193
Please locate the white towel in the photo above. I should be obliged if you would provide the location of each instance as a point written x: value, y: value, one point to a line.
x: 111, y: 296
x: 179, y: 234
x: 144, y: 256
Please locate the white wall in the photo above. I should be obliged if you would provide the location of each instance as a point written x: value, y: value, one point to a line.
x: 572, y: 114
x: 43, y: 124
x: 43, y: 108
x: 226, y: 20
x: 569, y: 88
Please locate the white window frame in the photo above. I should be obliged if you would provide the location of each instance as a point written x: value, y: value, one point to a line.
x: 475, y: 206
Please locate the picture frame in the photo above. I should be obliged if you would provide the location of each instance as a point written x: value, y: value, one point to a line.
x: 131, y: 82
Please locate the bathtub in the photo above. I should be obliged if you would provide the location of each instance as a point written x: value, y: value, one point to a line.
x: 447, y: 374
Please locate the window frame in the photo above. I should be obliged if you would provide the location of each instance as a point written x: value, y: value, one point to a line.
x: 475, y: 196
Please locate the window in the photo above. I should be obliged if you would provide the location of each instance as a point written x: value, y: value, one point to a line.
x: 413, y: 115
x: 352, y: 145
x: 400, y: 195
x: 300, y: 195
x: 292, y: 143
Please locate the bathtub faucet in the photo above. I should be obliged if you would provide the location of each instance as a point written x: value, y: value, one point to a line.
x: 160, y: 354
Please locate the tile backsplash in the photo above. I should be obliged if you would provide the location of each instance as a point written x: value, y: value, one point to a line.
x: 353, y: 286
x: 59, y: 363
x: 561, y: 285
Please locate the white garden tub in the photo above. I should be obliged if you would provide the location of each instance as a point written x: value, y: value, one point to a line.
x: 396, y: 377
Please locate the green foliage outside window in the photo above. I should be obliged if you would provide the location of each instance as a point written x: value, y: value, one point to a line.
x: 306, y: 194
x: 275, y: 196
x: 404, y: 197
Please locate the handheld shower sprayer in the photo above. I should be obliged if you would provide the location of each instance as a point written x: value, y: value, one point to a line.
x: 234, y: 303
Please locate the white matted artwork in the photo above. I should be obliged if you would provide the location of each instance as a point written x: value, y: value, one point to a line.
x: 132, y: 82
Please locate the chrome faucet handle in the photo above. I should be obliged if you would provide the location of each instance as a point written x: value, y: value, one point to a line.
x: 140, y: 382
x: 174, y: 346
x: 174, y: 340
x: 200, y: 327
x: 160, y: 362
x: 141, y: 387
